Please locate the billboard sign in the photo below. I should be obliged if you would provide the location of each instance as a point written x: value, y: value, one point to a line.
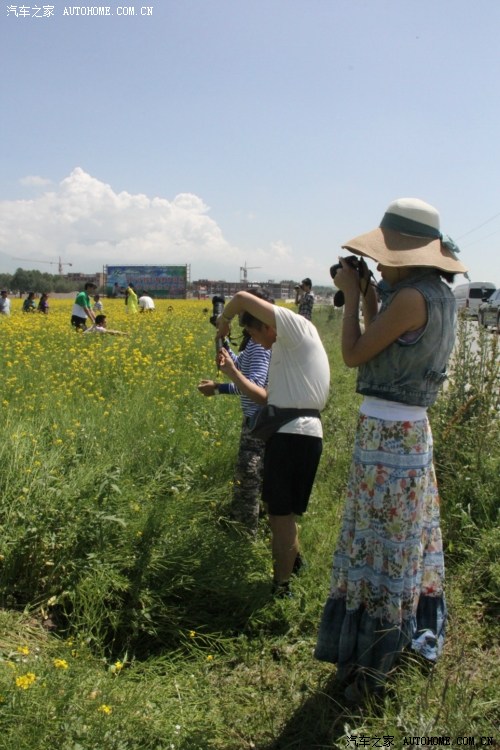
x: 158, y: 281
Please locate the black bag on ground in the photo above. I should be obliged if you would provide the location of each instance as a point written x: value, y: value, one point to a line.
x: 267, y: 420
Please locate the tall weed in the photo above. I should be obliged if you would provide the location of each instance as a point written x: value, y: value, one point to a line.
x: 466, y: 425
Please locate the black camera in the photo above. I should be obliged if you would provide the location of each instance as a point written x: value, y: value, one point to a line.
x: 351, y: 260
x: 218, y: 303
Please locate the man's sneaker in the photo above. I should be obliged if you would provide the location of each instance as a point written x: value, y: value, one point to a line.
x: 281, y: 590
x: 354, y: 695
x: 360, y: 691
x: 299, y: 565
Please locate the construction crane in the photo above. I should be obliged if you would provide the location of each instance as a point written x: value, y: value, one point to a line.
x: 57, y: 263
x: 244, y: 271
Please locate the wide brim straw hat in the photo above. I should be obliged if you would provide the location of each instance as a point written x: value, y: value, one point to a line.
x: 409, y: 235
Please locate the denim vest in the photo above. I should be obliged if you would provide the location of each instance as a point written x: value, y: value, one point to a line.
x: 411, y: 373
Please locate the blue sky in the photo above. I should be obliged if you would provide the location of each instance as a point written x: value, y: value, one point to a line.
x: 262, y: 132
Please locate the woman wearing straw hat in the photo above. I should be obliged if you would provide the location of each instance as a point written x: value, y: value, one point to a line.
x: 388, y: 570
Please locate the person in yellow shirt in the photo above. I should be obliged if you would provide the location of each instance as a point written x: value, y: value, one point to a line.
x: 131, y: 299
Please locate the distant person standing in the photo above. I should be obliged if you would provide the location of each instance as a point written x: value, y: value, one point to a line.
x: 4, y: 302
x: 304, y: 298
x: 81, y: 308
x: 131, y: 299
x: 146, y: 303
x: 97, y: 306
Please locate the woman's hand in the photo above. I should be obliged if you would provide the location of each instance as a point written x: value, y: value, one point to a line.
x: 347, y: 277
x: 364, y: 275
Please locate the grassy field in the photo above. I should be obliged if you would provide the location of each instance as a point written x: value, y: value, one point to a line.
x: 135, y: 616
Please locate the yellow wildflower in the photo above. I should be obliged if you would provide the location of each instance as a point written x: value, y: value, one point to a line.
x: 60, y: 664
x: 105, y: 709
x: 25, y: 681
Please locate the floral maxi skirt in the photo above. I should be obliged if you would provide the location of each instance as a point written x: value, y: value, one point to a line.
x: 388, y: 568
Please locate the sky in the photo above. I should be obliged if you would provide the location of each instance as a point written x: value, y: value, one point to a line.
x: 244, y: 133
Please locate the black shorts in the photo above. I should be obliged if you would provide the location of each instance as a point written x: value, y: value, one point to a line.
x: 290, y: 465
x: 78, y: 322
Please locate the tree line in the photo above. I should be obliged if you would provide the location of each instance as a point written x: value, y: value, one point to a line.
x: 22, y: 281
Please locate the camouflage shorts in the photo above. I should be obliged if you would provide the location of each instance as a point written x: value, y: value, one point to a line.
x: 248, y: 480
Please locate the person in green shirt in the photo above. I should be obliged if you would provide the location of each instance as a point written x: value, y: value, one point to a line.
x: 82, y: 308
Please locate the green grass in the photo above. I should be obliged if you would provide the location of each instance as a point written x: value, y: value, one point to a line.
x: 118, y: 560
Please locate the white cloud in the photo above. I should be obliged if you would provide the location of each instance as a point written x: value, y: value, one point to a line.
x: 86, y: 223
x: 34, y: 181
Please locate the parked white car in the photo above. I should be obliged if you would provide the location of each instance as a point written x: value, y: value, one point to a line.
x: 489, y: 311
x: 470, y: 296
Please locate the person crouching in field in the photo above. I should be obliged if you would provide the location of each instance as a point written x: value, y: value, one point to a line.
x: 388, y: 569
x: 146, y: 303
x: 43, y: 304
x: 299, y: 378
x: 100, y: 327
x: 248, y: 371
x: 29, y: 304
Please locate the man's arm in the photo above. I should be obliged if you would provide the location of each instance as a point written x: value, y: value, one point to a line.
x: 245, y: 302
x: 116, y: 333
x: 89, y: 314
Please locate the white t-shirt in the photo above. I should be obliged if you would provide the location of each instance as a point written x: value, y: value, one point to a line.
x: 95, y: 329
x: 146, y: 302
x: 392, y: 411
x: 299, y: 373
